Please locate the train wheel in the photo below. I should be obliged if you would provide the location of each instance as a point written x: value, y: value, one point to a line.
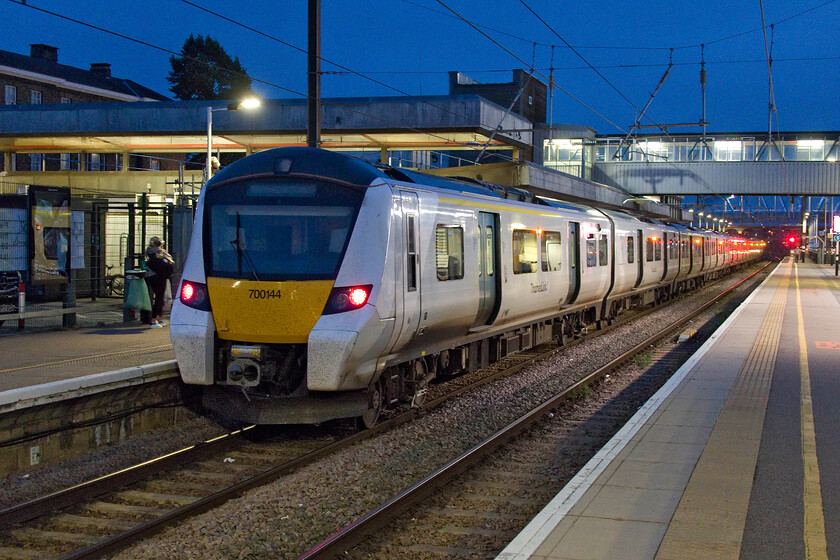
x: 420, y: 383
x: 444, y: 361
x: 375, y: 400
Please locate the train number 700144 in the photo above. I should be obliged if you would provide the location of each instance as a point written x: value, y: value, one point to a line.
x: 263, y: 294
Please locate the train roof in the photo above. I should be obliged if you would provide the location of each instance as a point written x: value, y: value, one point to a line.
x: 352, y: 170
x: 358, y: 171
x: 300, y: 161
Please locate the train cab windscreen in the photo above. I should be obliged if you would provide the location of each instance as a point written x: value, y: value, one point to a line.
x: 278, y: 229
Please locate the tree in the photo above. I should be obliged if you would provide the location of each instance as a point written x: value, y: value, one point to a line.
x: 205, y: 71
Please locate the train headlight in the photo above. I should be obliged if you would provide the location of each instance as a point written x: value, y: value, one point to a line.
x: 347, y: 299
x: 194, y: 294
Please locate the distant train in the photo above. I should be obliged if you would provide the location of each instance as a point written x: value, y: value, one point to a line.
x: 321, y: 286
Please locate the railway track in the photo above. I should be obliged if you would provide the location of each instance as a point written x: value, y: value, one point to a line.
x: 473, y: 506
x: 100, y: 517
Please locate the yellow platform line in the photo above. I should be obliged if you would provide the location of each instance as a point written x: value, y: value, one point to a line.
x: 80, y: 359
x: 709, y: 520
x: 814, y: 522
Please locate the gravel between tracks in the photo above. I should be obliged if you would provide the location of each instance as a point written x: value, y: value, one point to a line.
x: 286, y: 518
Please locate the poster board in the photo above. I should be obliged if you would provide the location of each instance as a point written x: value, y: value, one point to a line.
x: 49, y: 232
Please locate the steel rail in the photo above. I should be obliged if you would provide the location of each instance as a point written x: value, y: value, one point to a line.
x: 355, y: 532
x: 44, y: 505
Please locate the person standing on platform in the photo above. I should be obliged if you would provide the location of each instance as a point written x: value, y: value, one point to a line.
x: 161, y: 266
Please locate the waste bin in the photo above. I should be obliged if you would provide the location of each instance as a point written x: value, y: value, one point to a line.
x: 136, y: 294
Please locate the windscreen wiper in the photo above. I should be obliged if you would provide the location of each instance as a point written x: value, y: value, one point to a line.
x: 242, y: 254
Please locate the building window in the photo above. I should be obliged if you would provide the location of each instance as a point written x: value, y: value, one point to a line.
x: 11, y: 95
x: 93, y: 162
x: 35, y: 97
x: 65, y: 100
x: 449, y: 252
x: 550, y: 251
x: 524, y: 251
x: 64, y: 165
x: 36, y: 162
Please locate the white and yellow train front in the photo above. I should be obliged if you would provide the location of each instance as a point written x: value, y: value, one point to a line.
x: 285, y: 244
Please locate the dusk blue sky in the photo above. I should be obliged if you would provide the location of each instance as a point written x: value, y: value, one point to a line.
x: 412, y: 45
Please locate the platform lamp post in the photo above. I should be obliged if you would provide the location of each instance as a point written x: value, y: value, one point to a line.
x: 248, y: 103
x: 691, y: 220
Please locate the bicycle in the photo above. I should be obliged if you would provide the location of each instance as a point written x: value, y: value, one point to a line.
x: 114, y: 283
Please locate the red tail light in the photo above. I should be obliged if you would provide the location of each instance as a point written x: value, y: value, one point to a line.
x: 347, y: 299
x: 194, y: 294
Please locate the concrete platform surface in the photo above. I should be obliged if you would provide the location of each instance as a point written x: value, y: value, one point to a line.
x: 728, y: 459
x: 101, y: 342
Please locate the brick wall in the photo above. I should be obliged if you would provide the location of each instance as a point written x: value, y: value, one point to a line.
x: 49, y: 93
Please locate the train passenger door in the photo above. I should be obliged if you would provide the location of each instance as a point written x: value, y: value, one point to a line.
x: 574, y: 261
x: 412, y: 300
x: 640, y: 240
x: 488, y: 278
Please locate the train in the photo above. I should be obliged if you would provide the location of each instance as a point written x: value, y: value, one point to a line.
x: 320, y: 286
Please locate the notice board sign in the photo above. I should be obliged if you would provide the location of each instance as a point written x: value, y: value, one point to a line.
x: 49, y: 234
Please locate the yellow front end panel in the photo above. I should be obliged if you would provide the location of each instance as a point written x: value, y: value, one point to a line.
x: 270, y: 312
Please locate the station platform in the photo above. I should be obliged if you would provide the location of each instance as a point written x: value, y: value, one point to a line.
x: 101, y: 343
x: 737, y: 456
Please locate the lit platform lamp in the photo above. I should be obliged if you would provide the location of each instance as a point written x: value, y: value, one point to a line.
x: 248, y: 103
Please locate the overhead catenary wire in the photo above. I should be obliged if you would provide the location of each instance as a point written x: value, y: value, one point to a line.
x: 468, y: 22
x: 631, y: 47
x: 612, y: 66
x: 322, y: 59
x: 514, y: 55
x: 580, y: 56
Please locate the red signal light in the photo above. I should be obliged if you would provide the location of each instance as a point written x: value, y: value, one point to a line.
x: 791, y: 240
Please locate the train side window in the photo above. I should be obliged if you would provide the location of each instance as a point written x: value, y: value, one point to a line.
x: 524, y: 251
x: 411, y: 256
x: 673, y: 249
x: 631, y: 249
x: 649, y: 249
x: 657, y: 249
x: 591, y: 252
x: 449, y: 252
x: 550, y: 251
x: 603, y: 248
